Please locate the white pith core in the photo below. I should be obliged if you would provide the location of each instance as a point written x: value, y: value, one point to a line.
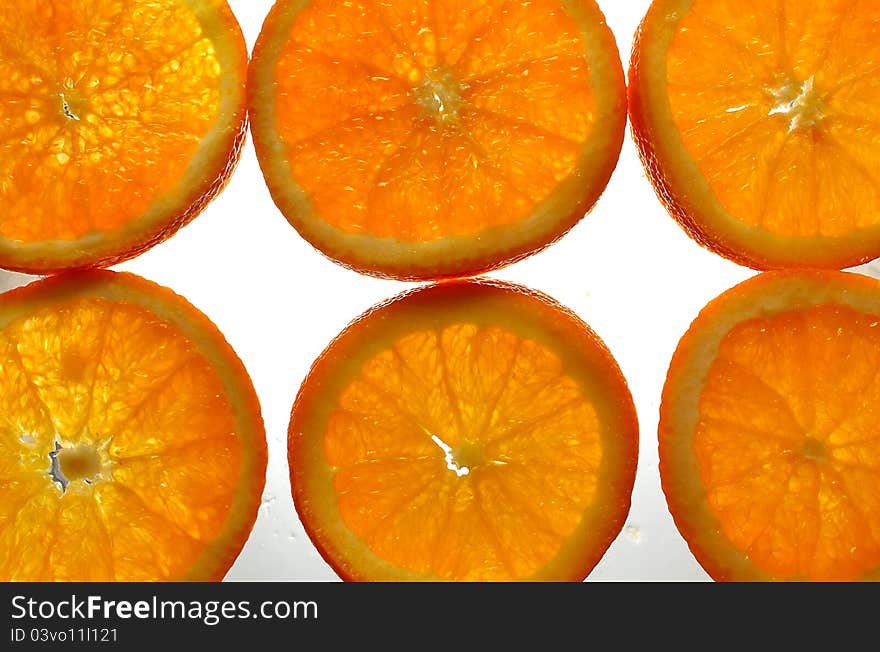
x: 799, y: 102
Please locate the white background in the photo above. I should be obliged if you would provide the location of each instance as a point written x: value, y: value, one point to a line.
x: 627, y: 270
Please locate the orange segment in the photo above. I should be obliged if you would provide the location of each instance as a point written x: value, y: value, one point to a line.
x: 130, y: 435
x: 466, y: 431
x: 769, y: 453
x: 118, y: 122
x: 755, y: 122
x: 433, y: 138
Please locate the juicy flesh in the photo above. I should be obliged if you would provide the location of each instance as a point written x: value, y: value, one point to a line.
x: 118, y: 448
x: 788, y: 444
x: 103, y: 104
x: 464, y: 453
x: 421, y: 120
x: 777, y: 102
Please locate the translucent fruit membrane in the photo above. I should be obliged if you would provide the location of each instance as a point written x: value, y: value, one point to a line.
x: 122, y: 449
x: 467, y: 448
x: 777, y: 102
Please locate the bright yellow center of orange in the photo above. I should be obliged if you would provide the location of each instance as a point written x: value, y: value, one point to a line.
x: 464, y: 453
x: 814, y: 449
x: 788, y: 442
x: 78, y: 463
x: 470, y: 454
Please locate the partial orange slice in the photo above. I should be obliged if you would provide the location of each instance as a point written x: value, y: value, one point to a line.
x: 465, y: 431
x: 759, y: 125
x: 131, y: 442
x: 119, y: 121
x: 770, y: 433
x: 436, y: 138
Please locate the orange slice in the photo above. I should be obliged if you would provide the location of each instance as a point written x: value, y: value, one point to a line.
x: 769, y: 444
x: 131, y: 442
x: 465, y: 431
x: 119, y: 121
x: 759, y: 125
x: 435, y: 138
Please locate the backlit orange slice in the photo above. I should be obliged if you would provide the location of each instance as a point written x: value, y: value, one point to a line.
x: 435, y: 138
x: 759, y: 124
x: 770, y: 430
x: 465, y: 431
x: 131, y: 442
x: 119, y: 121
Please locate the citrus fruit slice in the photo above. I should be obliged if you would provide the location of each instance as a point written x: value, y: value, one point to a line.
x: 769, y: 445
x: 435, y: 138
x: 131, y: 442
x: 119, y: 121
x: 465, y: 431
x: 758, y: 123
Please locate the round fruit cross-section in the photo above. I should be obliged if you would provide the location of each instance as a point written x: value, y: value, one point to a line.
x: 131, y: 442
x: 119, y: 121
x: 769, y: 444
x: 465, y: 431
x: 759, y: 125
x: 436, y: 138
